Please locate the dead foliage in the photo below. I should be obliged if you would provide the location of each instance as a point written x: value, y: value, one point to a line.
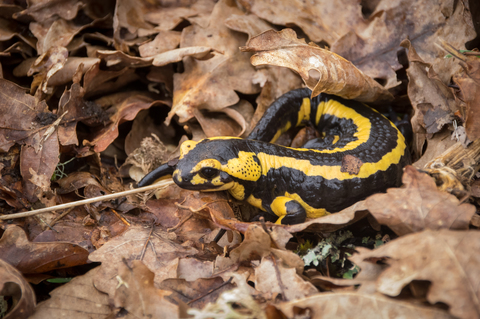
x: 95, y: 94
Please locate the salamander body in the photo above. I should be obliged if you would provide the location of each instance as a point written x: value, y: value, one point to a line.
x: 291, y: 184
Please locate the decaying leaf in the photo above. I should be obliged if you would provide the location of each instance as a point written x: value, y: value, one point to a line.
x: 77, y: 299
x: 447, y: 259
x: 469, y: 83
x: 419, y: 206
x: 14, y: 286
x: 211, y: 84
x: 162, y: 259
x: 272, y: 279
x: 431, y: 99
x: 320, y: 20
x: 322, y: 70
x: 137, y: 295
x: 121, y: 111
x: 30, y: 257
x: 344, y: 305
x: 197, y: 293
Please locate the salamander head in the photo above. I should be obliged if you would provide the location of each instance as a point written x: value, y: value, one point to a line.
x: 215, y: 164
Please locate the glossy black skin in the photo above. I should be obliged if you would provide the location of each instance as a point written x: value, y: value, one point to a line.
x: 317, y: 191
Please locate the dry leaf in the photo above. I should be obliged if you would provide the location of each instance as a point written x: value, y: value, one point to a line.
x: 76, y: 299
x: 210, y: 85
x: 374, y: 48
x: 15, y: 288
x: 162, y: 259
x: 272, y: 278
x: 419, y: 206
x: 321, y: 20
x: 137, y: 295
x: 469, y: 83
x: 346, y: 305
x: 30, y: 258
x: 431, y: 99
x: 447, y: 259
x: 197, y: 293
x: 322, y: 70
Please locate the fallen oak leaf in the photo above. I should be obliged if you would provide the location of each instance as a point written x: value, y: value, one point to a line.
x: 374, y: 47
x: 124, y: 110
x: 137, y: 294
x: 419, y: 206
x: 320, y: 20
x: 320, y: 69
x: 32, y: 257
x: 431, y: 99
x: 447, y: 259
x: 211, y: 85
x: 346, y: 305
x: 469, y: 83
x: 78, y: 298
x: 14, y: 287
x: 177, y: 55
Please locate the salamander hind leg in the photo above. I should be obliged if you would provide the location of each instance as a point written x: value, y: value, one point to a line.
x: 288, y: 210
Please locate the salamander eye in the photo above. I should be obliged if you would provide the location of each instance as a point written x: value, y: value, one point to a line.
x: 209, y: 172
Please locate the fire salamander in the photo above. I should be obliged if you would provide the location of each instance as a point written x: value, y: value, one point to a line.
x: 291, y: 184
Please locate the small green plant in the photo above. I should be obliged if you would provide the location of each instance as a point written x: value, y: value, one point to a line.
x: 60, y: 170
x: 328, y: 247
x: 59, y: 280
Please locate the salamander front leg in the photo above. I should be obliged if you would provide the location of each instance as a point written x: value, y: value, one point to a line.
x: 288, y: 210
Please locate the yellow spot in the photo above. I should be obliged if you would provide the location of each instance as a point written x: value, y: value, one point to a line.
x: 186, y: 147
x: 278, y: 205
x: 330, y: 172
x: 256, y: 202
x: 335, y: 139
x: 243, y: 167
x: 237, y: 190
x: 311, y: 211
x: 304, y: 113
x: 178, y: 173
x: 197, y: 180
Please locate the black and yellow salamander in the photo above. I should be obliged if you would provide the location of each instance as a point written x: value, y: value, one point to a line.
x: 291, y: 184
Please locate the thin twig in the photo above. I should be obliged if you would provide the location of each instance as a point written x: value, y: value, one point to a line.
x: 210, y: 291
x: 161, y: 184
x: 65, y: 213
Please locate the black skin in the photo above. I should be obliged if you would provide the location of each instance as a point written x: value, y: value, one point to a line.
x: 316, y: 191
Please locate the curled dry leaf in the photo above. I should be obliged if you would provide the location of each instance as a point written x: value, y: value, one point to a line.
x: 76, y: 299
x: 322, y: 70
x: 321, y: 20
x: 162, y: 259
x: 14, y: 287
x: 34, y: 258
x: 122, y: 111
x: 177, y: 55
x: 164, y: 41
x: 469, y: 83
x: 419, y: 206
x: 272, y: 278
x: 346, y: 305
x: 447, y: 259
x: 137, y: 294
x: 168, y: 17
x: 211, y: 84
x: 431, y: 99
x: 374, y: 48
